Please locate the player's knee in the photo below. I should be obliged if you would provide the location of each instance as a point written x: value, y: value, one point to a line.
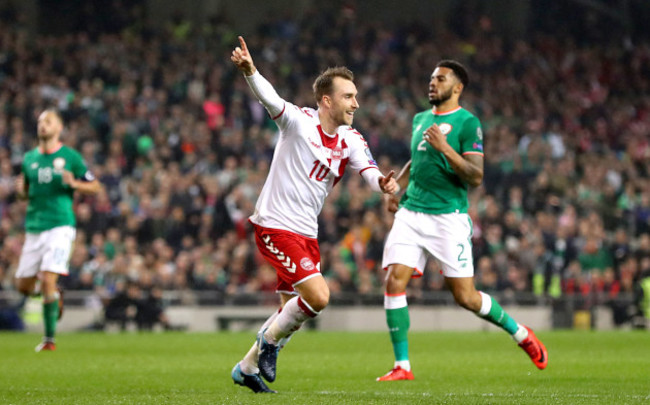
x: 467, y: 301
x: 24, y: 290
x: 319, y: 300
x: 396, y: 282
x: 23, y: 287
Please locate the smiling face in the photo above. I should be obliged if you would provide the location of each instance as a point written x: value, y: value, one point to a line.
x: 342, y: 102
x: 443, y: 86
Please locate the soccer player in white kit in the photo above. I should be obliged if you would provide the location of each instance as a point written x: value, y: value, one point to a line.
x: 313, y: 151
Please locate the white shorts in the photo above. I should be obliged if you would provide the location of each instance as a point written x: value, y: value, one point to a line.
x: 46, y: 251
x: 447, y: 237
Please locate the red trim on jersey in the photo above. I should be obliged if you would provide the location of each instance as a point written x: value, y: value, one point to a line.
x: 342, y: 164
x: 328, y: 141
x: 369, y: 167
x: 472, y: 153
x: 446, y: 112
x: 284, y: 107
x: 417, y: 273
x: 395, y: 295
x: 344, y: 161
x: 53, y: 150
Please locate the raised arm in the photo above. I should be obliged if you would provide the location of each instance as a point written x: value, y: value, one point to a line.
x: 261, y: 87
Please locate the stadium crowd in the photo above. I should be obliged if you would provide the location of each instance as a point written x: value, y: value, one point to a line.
x: 182, y: 149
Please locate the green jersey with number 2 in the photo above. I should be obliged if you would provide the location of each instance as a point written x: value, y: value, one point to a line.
x: 50, y: 201
x: 434, y: 187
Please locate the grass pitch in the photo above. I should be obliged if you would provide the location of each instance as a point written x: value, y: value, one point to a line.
x: 326, y: 368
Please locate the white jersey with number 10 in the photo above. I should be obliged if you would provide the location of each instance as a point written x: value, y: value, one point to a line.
x: 306, y: 165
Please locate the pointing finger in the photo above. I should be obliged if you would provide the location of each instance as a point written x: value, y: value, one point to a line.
x: 388, y: 176
x: 243, y: 44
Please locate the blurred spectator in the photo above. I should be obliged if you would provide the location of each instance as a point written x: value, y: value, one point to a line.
x: 183, y: 149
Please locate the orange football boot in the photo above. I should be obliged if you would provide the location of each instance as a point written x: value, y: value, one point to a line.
x: 535, y: 349
x: 396, y: 374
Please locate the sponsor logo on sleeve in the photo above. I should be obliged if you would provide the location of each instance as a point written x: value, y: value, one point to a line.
x: 89, y: 176
x: 371, y: 160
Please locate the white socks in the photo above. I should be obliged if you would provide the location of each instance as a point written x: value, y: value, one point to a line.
x: 486, y: 304
x: 295, y: 312
x: 279, y: 328
x: 521, y: 334
x: 404, y: 364
x: 249, y: 362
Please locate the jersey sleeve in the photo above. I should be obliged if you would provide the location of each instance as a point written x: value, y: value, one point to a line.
x: 80, y: 170
x: 471, y: 141
x: 281, y: 111
x: 361, y: 158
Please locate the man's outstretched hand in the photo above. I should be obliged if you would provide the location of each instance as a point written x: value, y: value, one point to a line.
x: 242, y: 58
x: 388, y: 184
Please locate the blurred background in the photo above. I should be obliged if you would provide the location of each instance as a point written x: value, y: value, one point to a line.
x: 162, y: 117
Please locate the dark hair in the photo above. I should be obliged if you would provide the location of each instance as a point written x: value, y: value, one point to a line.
x: 458, y: 69
x: 323, y: 83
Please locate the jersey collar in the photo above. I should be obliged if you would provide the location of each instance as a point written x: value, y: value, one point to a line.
x: 50, y: 151
x: 447, y: 112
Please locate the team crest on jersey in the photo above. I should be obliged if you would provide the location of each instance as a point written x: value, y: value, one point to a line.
x: 34, y: 165
x: 337, y: 153
x: 307, y: 264
x: 445, y: 128
x: 59, y: 164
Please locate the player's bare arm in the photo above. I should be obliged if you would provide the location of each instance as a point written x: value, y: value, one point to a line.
x: 392, y: 200
x: 469, y: 168
x: 242, y: 58
x: 404, y: 175
x: 84, y: 187
x: 22, y: 187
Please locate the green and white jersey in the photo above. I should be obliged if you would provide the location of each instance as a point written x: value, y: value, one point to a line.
x: 434, y: 187
x: 50, y: 201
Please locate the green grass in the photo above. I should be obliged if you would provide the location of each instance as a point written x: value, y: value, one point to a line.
x: 326, y: 368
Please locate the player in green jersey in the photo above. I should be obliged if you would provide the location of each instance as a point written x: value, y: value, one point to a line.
x: 51, y: 173
x: 446, y: 158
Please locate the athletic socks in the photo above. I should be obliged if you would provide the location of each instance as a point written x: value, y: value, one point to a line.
x: 249, y: 362
x: 293, y: 314
x: 279, y: 329
x: 50, y: 315
x: 492, y: 312
x: 398, y: 320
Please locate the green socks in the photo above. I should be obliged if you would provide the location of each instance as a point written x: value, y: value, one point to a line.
x: 492, y: 312
x: 398, y: 320
x: 50, y: 317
